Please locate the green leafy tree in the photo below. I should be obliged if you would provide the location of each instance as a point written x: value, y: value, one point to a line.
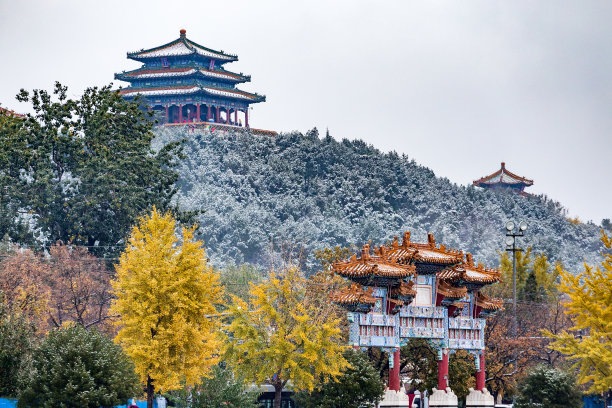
x: 419, y: 362
x: 236, y: 279
x: 536, y: 278
x: 530, y: 292
x: 12, y: 149
x: 548, y: 388
x: 84, y: 169
x: 16, y: 343
x: 220, y: 389
x: 359, y: 385
x: 78, y: 368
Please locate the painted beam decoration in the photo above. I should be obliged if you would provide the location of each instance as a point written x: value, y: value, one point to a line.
x: 416, y: 290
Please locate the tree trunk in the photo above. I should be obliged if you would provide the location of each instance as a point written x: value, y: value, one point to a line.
x: 150, y: 392
x: 278, y: 394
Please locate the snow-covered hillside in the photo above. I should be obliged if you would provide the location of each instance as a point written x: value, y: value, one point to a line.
x: 266, y: 195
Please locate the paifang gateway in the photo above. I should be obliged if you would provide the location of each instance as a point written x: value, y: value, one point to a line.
x: 186, y: 82
x: 419, y: 290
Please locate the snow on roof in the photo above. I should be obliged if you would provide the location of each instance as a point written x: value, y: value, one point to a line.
x: 182, y: 90
x: 160, y: 73
x: 503, y: 176
x: 161, y: 91
x: 179, y: 47
x: 209, y: 53
x: 176, y: 49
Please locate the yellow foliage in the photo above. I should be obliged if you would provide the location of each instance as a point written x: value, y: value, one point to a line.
x: 590, y: 306
x: 278, y: 337
x: 164, y: 292
x: 527, y: 263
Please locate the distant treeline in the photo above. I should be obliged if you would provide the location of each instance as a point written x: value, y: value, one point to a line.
x: 266, y: 198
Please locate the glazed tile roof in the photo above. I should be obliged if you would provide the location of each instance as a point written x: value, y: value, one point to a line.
x: 191, y: 89
x: 451, y: 292
x: 503, y: 176
x: 180, y: 72
x: 396, y: 302
x: 368, y: 265
x: 179, y: 47
x: 353, y: 295
x: 467, y: 272
x: 410, y: 251
x: 489, y: 304
x: 405, y: 289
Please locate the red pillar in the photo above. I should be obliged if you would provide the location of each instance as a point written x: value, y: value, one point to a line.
x: 394, y: 372
x: 443, y: 371
x: 198, y: 113
x: 180, y: 113
x: 236, y: 117
x: 217, y: 118
x: 208, y: 113
x: 480, y: 374
x: 167, y: 115
x: 227, y: 115
x: 246, y: 117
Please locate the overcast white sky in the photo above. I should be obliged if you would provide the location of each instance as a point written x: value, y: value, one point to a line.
x: 459, y: 86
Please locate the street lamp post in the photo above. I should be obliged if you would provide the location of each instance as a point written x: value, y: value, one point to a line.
x: 512, y: 232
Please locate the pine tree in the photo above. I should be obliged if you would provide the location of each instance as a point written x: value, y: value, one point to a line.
x: 590, y: 307
x: 530, y: 292
x: 82, y: 168
x: 16, y: 344
x: 277, y: 338
x: 75, y: 367
x: 220, y: 389
x: 165, y: 297
x: 360, y: 385
x: 548, y: 388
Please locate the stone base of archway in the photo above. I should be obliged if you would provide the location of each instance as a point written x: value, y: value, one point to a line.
x: 395, y: 399
x: 479, y: 399
x: 443, y: 399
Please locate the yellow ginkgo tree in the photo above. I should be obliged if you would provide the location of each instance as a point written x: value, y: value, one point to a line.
x: 277, y: 338
x: 166, y: 298
x: 589, y: 343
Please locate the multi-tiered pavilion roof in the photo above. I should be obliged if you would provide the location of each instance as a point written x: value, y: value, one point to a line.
x: 504, y: 179
x: 187, y: 82
x: 451, y: 274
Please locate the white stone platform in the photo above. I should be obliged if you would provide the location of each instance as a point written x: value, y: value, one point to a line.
x: 395, y: 399
x: 479, y: 399
x: 443, y: 399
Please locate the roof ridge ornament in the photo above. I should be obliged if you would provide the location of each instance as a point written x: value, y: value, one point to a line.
x: 365, y: 252
x: 469, y: 259
x: 406, y: 239
x: 183, y: 33
x: 431, y: 240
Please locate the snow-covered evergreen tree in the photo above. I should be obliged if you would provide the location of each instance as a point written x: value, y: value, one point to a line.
x: 297, y: 193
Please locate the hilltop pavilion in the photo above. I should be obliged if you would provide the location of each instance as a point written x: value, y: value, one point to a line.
x: 504, y: 179
x: 187, y: 82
